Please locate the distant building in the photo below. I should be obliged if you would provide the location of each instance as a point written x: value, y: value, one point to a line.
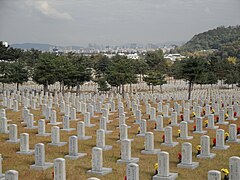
x: 5, y: 43
x: 174, y: 57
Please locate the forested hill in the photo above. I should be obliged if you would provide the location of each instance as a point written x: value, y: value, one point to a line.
x: 220, y: 38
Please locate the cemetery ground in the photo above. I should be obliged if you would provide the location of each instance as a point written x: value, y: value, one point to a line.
x: 77, y: 169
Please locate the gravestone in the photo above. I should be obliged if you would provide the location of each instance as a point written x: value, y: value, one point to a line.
x: 59, y: 169
x: 66, y: 124
x: 138, y: 117
x: 103, y: 125
x: 199, y: 126
x: 186, y: 161
x: 211, y: 122
x: 221, y: 119
x: 3, y: 126
x: 186, y: 116
x: 81, y: 131
x: 87, y: 120
x: 132, y: 171
x: 97, y: 163
x: 126, y: 152
x: 100, y: 140
x: 24, y: 144
x: 123, y: 133
x: 231, y: 114
x: 11, y: 175
x: 152, y: 114
x: 205, y: 148
x: 220, y: 140
x: 168, y: 138
x: 184, y: 131
x: 149, y: 144
x: 159, y: 123
x: 174, y: 119
x: 165, y: 111
x: 234, y: 168
x: 13, y: 134
x: 163, y: 168
x: 41, y: 128
x: 55, y: 136
x: 73, y: 149
x: 1, y: 174
x: 53, y: 118
x: 30, y: 122
x: 143, y: 127
x: 40, y: 163
x: 214, y: 175
x: 233, y: 134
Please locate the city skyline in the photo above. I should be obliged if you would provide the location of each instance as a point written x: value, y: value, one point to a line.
x: 112, y: 22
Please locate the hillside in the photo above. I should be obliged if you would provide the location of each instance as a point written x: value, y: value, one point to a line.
x: 221, y: 38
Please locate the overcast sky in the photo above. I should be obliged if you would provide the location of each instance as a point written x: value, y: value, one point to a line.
x: 79, y: 22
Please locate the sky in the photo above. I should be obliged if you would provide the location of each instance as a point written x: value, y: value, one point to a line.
x: 112, y: 22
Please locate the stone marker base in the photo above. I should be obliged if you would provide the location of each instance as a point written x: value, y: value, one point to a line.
x: 104, y: 171
x: 214, y: 127
x: 223, y: 123
x: 44, y: 135
x: 185, y: 138
x: 173, y: 144
x: 85, y: 138
x: 234, y: 141
x: 2, y: 177
x: 55, y: 124
x: 199, y: 132
x: 162, y: 129
x: 79, y: 155
x: 190, y: 121
x: 231, y: 119
x: 108, y: 132
x: 211, y: 155
x: 13, y: 142
x: 172, y: 176
x: 127, y: 139
x: 26, y: 153
x: 90, y: 125
x: 127, y: 127
x: 34, y: 127
x: 45, y: 166
x: 174, y: 124
x: 188, y: 166
x: 74, y: 119
x: 221, y: 147
x: 154, y: 151
x: 58, y: 144
x: 132, y: 160
x: 106, y: 148
x: 69, y: 129
x: 141, y: 135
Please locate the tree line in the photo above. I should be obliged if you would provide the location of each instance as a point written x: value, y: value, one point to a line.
x: 73, y: 70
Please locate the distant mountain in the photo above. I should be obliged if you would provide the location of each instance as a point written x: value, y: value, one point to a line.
x: 42, y: 47
x: 218, y: 38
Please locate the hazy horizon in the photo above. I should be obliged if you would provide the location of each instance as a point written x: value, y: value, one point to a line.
x: 107, y: 22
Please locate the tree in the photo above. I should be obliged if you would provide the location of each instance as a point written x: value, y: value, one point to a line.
x: 45, y: 70
x: 102, y: 85
x: 191, y: 70
x: 154, y: 79
x: 18, y: 73
x: 120, y: 72
x: 155, y: 60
